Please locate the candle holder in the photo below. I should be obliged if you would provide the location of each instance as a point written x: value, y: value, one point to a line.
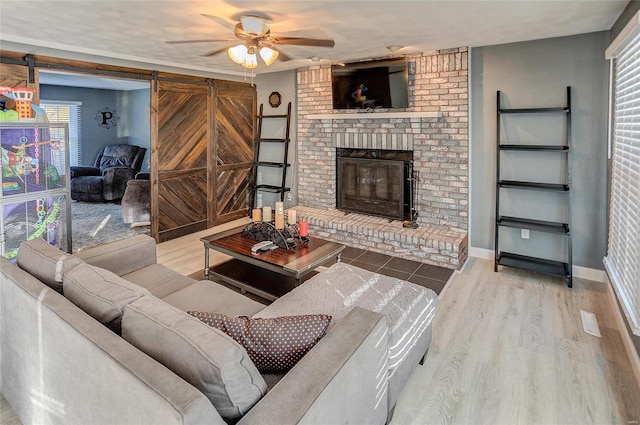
x: 287, y: 238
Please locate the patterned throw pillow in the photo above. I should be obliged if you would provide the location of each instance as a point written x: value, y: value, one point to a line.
x: 274, y: 345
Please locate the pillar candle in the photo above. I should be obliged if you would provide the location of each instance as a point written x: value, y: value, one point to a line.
x: 304, y: 229
x: 256, y: 215
x: 279, y: 207
x: 266, y: 213
x: 279, y: 221
x: 291, y: 217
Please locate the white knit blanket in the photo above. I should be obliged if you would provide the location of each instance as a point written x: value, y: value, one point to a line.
x: 409, y: 308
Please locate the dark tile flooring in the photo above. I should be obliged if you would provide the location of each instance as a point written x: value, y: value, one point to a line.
x: 426, y: 275
x: 431, y: 277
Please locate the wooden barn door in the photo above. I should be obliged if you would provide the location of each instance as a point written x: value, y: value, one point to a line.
x: 235, y: 113
x: 17, y: 76
x: 180, y: 183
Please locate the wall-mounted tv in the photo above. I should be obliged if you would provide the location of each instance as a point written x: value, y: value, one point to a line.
x: 371, y: 84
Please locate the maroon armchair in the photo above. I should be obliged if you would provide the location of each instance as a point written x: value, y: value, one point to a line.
x: 107, y: 179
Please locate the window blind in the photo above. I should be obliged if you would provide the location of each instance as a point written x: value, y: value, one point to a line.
x: 623, y: 254
x: 67, y: 112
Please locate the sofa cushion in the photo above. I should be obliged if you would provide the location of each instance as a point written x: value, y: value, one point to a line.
x: 206, y: 295
x: 118, y: 156
x: 159, y: 280
x: 274, y: 345
x: 205, y: 357
x: 123, y: 256
x: 45, y: 262
x: 100, y: 293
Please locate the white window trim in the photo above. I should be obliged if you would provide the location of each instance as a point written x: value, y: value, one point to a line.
x: 621, y: 270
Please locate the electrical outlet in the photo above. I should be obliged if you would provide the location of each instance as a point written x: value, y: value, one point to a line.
x: 524, y: 233
x: 289, y: 197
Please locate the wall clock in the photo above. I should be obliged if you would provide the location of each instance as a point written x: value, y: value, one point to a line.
x: 275, y: 99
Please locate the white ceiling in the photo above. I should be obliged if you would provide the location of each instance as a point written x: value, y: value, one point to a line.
x: 136, y: 30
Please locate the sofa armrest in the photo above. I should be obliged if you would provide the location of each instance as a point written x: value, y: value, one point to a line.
x: 82, y: 170
x: 115, y: 181
x: 343, y: 379
x: 123, y: 256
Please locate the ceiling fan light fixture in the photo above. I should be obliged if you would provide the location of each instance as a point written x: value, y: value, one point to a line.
x: 394, y: 48
x: 268, y: 55
x: 254, y: 25
x: 238, y: 53
x: 250, y: 61
x: 246, y: 55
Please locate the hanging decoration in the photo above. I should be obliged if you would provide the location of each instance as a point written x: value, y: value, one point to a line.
x: 107, y: 118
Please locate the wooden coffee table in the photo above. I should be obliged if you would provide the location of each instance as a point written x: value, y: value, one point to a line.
x: 294, y: 264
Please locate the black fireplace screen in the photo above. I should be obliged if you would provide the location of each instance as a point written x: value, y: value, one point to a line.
x: 374, y: 182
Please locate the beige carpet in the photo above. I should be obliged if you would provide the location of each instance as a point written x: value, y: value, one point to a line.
x: 96, y: 223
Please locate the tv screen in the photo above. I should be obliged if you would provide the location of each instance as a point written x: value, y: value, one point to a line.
x: 371, y: 84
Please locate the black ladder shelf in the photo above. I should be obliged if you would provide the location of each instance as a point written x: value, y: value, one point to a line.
x: 541, y: 265
x: 257, y: 162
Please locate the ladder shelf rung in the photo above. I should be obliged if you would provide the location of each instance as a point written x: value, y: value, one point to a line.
x: 553, y: 187
x: 267, y: 140
x: 531, y: 224
x: 535, y: 264
x: 533, y: 110
x: 273, y: 116
x: 550, y: 148
x: 271, y: 188
x: 272, y: 164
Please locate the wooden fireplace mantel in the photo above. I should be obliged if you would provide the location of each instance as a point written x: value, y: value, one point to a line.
x: 373, y: 115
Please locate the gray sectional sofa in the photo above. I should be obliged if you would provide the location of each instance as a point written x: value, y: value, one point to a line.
x: 118, y: 347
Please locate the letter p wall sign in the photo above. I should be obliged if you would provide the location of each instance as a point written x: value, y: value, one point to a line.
x: 107, y: 118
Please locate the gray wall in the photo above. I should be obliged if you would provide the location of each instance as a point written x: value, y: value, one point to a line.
x: 285, y: 84
x: 536, y: 74
x: 629, y: 11
x: 132, y: 127
x: 137, y: 105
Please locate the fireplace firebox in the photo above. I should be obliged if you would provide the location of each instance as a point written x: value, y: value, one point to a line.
x: 375, y: 182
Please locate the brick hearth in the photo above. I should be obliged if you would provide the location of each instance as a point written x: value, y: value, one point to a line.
x: 444, y: 248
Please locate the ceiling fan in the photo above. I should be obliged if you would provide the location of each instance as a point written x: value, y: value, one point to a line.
x: 255, y: 38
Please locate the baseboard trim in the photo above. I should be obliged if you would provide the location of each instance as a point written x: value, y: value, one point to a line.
x: 485, y: 254
x: 632, y: 354
x: 578, y: 271
x: 589, y: 274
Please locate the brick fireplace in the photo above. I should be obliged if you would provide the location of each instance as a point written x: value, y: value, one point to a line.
x: 374, y: 182
x: 438, y: 84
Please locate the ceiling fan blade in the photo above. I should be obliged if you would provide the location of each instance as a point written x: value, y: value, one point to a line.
x: 283, y: 57
x: 220, y: 21
x: 302, y: 41
x: 215, y: 52
x: 206, y: 40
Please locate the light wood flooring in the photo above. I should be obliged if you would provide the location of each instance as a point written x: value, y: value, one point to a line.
x: 186, y: 254
x: 508, y: 348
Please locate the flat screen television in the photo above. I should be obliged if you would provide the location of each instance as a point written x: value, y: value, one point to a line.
x: 371, y: 84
